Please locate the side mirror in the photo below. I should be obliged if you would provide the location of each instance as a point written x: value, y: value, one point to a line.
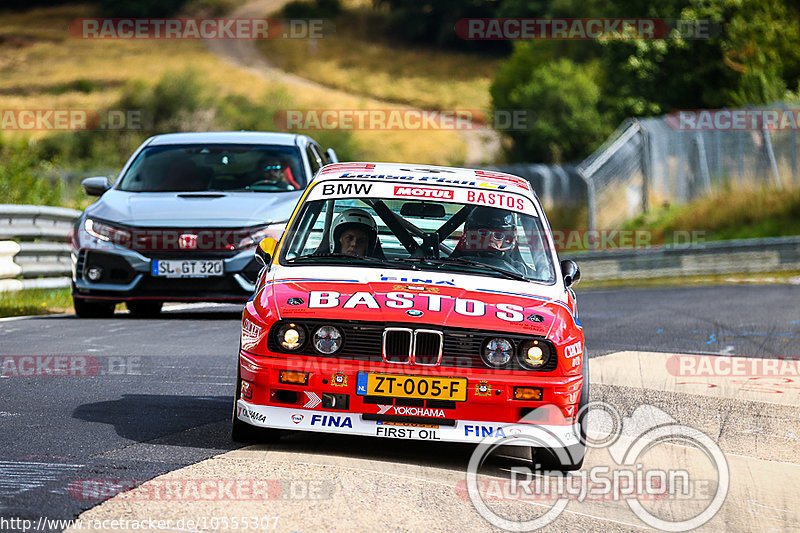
x: 265, y: 250
x: 95, y: 186
x: 571, y: 272
x: 332, y: 155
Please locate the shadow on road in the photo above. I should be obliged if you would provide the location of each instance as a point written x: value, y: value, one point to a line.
x: 147, y: 417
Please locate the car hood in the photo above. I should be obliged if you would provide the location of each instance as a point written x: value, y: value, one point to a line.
x: 208, y: 209
x: 418, y: 298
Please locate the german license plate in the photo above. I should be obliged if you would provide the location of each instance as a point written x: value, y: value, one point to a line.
x: 421, y: 387
x: 187, y: 268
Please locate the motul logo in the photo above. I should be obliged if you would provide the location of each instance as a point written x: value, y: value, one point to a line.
x: 424, y: 192
x: 187, y: 241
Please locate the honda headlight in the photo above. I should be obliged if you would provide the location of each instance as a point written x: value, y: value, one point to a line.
x: 256, y: 235
x: 107, y: 232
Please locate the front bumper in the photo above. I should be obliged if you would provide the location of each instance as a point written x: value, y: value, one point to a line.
x: 127, y: 276
x: 333, y: 401
x: 465, y: 431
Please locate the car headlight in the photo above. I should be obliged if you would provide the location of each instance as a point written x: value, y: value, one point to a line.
x: 256, y: 235
x: 497, y: 352
x: 327, y: 340
x: 107, y: 232
x: 534, y: 354
x: 291, y: 337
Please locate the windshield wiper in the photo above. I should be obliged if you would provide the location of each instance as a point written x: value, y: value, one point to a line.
x: 310, y: 258
x: 468, y: 262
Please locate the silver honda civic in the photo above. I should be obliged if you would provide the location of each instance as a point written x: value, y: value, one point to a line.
x: 181, y: 220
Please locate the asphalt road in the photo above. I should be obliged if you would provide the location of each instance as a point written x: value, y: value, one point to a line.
x: 149, y: 396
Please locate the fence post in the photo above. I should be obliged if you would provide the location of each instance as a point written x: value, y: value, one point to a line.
x: 771, y: 158
x: 646, y: 167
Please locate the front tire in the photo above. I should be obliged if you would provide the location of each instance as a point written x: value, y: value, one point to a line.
x: 576, y: 453
x: 85, y: 308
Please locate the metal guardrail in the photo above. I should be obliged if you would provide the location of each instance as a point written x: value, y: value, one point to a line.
x: 45, y: 263
x: 720, y: 257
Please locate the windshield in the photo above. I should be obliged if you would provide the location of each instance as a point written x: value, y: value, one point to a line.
x: 215, y: 167
x: 423, y: 235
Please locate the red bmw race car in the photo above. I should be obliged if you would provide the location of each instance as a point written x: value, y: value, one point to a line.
x: 415, y: 302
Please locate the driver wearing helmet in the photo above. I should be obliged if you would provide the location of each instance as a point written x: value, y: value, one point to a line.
x: 490, y: 236
x: 354, y: 232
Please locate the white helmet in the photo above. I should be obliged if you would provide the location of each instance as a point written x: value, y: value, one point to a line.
x: 354, y: 216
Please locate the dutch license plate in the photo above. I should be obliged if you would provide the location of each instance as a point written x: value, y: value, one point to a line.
x: 421, y: 387
x: 187, y: 268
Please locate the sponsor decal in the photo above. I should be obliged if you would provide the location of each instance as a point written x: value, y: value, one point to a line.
x: 483, y: 389
x: 252, y: 415
x: 406, y: 433
x: 428, y: 179
x: 418, y: 288
x: 331, y: 421
x: 339, y: 380
x: 295, y: 301
x: 411, y: 411
x: 407, y: 424
x: 414, y: 313
x: 418, y: 280
x: 297, y: 418
x: 496, y: 199
x: 251, y: 333
x: 483, y: 431
x: 246, y: 391
x: 346, y: 189
x: 573, y: 350
x: 536, y: 318
x: 313, y: 400
x: 418, y: 302
x: 424, y: 192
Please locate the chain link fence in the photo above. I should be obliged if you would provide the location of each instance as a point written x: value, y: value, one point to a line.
x: 685, y: 155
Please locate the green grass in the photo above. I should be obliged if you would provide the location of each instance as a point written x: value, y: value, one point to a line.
x: 766, y: 278
x: 362, y: 59
x: 35, y: 302
x: 741, y: 213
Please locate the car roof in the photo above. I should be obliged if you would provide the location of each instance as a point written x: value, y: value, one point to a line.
x: 226, y: 137
x: 427, y: 174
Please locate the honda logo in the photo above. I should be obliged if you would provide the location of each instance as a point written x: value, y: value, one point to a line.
x: 187, y: 241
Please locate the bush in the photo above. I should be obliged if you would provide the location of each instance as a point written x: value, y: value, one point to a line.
x: 25, y: 178
x: 562, y: 98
